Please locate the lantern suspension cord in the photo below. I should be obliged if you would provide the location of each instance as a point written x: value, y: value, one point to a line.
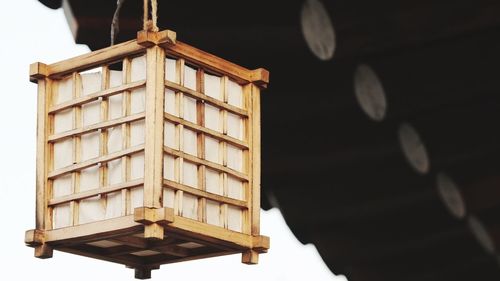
x: 153, y: 24
x: 115, y: 23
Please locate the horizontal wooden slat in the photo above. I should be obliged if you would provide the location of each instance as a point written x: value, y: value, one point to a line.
x: 101, y: 254
x: 93, y: 97
x: 204, y: 194
x: 92, y: 162
x: 200, y: 129
x: 209, y: 61
x: 211, y: 233
x: 95, y: 127
x: 94, y: 231
x: 94, y: 59
x: 212, y: 165
x: 207, y: 99
x: 95, y: 192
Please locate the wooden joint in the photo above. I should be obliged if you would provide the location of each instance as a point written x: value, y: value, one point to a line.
x: 44, y: 251
x: 34, y: 237
x: 250, y: 257
x: 261, y: 243
x: 147, y: 216
x: 148, y: 38
x: 38, y: 71
x: 154, y: 220
x: 260, y: 77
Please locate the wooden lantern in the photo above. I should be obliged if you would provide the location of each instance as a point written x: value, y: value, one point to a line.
x: 148, y: 153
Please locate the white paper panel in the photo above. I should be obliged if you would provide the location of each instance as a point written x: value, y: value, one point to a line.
x: 169, y: 135
x: 115, y: 172
x: 90, y: 146
x: 170, y: 105
x: 89, y: 178
x: 137, y: 133
x: 138, y: 100
x: 62, y: 186
x: 113, y: 205
x: 213, y: 86
x: 169, y: 167
x: 190, y: 109
x: 235, y: 188
x: 136, y: 197
x: 91, y: 210
x: 63, y: 153
x: 190, y: 78
x: 91, y: 83
x: 213, y: 213
x: 168, y: 198
x: 234, y: 158
x: 64, y: 90
x: 189, y: 142
x: 114, y: 139
x: 115, y: 101
x: 91, y: 113
x: 170, y: 69
x: 61, y: 216
x: 212, y: 118
x: 115, y: 106
x: 234, y: 126
x: 115, y: 78
x: 212, y: 150
x: 63, y: 121
x: 190, y: 174
x: 138, y: 69
x: 137, y: 166
x: 234, y: 218
x: 190, y: 206
x: 234, y: 94
x: 213, y: 183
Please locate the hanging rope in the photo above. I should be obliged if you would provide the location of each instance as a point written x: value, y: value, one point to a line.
x: 115, y: 23
x: 153, y: 24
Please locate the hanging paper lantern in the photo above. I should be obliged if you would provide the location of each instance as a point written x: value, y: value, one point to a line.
x: 148, y: 153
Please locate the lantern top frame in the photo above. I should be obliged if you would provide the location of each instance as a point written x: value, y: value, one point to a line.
x: 166, y: 39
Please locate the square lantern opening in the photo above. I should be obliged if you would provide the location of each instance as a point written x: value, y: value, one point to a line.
x: 148, y: 153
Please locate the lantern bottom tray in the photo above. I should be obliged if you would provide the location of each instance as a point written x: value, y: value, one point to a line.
x: 146, y: 240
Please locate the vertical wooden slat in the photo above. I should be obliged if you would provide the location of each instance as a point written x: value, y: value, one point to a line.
x: 223, y: 149
x: 179, y: 162
x: 103, y: 140
x: 126, y: 137
x: 77, y: 147
x: 200, y: 120
x: 153, y: 174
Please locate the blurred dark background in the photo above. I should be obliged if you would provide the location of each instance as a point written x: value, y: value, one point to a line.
x: 380, y: 126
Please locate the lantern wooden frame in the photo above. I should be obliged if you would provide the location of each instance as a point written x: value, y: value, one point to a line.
x: 151, y: 227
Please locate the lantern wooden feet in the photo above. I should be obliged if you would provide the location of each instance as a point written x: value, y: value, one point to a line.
x: 148, y: 153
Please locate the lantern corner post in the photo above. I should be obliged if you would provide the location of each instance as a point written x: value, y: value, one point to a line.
x: 35, y: 238
x: 154, y: 214
x: 260, y: 77
x: 38, y: 71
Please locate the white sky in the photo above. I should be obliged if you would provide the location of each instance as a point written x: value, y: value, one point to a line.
x: 32, y: 33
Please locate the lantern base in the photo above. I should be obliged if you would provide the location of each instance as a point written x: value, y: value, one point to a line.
x: 134, y: 241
